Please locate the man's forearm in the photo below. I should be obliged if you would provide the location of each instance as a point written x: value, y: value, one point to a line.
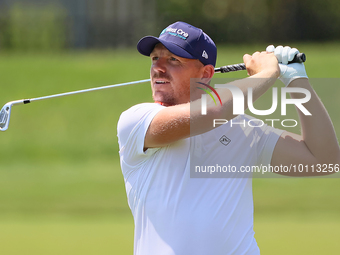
x: 317, y: 129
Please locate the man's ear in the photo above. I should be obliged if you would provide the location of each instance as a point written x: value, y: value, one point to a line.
x: 208, y: 71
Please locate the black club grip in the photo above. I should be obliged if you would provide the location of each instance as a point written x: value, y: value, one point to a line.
x: 298, y: 58
x: 230, y: 68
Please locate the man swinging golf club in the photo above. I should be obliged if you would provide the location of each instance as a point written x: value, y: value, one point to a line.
x: 178, y: 215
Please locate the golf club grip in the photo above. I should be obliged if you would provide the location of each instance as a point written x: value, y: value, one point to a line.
x: 298, y: 58
x: 230, y: 68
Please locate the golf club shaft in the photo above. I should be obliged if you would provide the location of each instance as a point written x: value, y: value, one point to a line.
x: 26, y: 101
x: 299, y: 58
x: 230, y: 68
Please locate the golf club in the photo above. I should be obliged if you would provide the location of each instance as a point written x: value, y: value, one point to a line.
x: 5, y: 113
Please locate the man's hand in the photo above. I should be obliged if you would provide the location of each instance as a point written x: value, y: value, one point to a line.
x: 262, y: 62
x: 288, y: 72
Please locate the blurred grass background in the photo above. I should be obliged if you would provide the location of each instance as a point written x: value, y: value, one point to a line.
x: 61, y: 188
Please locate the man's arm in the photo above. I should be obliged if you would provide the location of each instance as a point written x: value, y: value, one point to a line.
x: 317, y: 143
x: 173, y: 123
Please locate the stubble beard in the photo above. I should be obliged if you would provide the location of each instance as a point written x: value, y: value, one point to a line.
x: 165, y: 98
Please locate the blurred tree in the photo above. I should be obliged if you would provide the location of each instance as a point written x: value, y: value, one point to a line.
x: 31, y: 27
x: 257, y: 20
x: 54, y: 24
x: 321, y: 19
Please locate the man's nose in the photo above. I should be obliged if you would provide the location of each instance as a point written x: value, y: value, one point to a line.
x: 159, y: 65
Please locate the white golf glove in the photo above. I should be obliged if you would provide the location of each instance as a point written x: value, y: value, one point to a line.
x: 288, y: 72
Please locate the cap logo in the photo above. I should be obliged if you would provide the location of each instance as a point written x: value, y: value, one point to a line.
x: 176, y: 32
x: 205, y: 54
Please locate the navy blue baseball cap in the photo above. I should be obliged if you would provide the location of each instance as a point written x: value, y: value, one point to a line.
x: 183, y: 40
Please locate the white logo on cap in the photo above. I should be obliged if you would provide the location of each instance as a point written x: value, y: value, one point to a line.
x: 176, y: 32
x: 205, y: 55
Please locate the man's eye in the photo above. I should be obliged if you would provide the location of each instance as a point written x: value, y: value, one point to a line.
x: 173, y: 59
x: 154, y: 58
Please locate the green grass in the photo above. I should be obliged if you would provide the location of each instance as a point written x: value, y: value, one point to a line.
x: 68, y: 237
x: 281, y: 236
x: 61, y: 188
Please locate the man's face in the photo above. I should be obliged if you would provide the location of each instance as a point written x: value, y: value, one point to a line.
x: 170, y: 76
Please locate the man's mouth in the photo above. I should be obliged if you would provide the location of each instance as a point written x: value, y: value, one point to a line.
x: 161, y: 82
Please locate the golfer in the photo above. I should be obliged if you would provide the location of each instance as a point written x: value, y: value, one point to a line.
x: 178, y: 215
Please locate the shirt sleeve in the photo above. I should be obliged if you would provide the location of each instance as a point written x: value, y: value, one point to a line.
x: 267, y: 139
x: 131, y: 129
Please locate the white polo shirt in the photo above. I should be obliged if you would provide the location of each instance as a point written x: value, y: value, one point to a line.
x: 176, y: 214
